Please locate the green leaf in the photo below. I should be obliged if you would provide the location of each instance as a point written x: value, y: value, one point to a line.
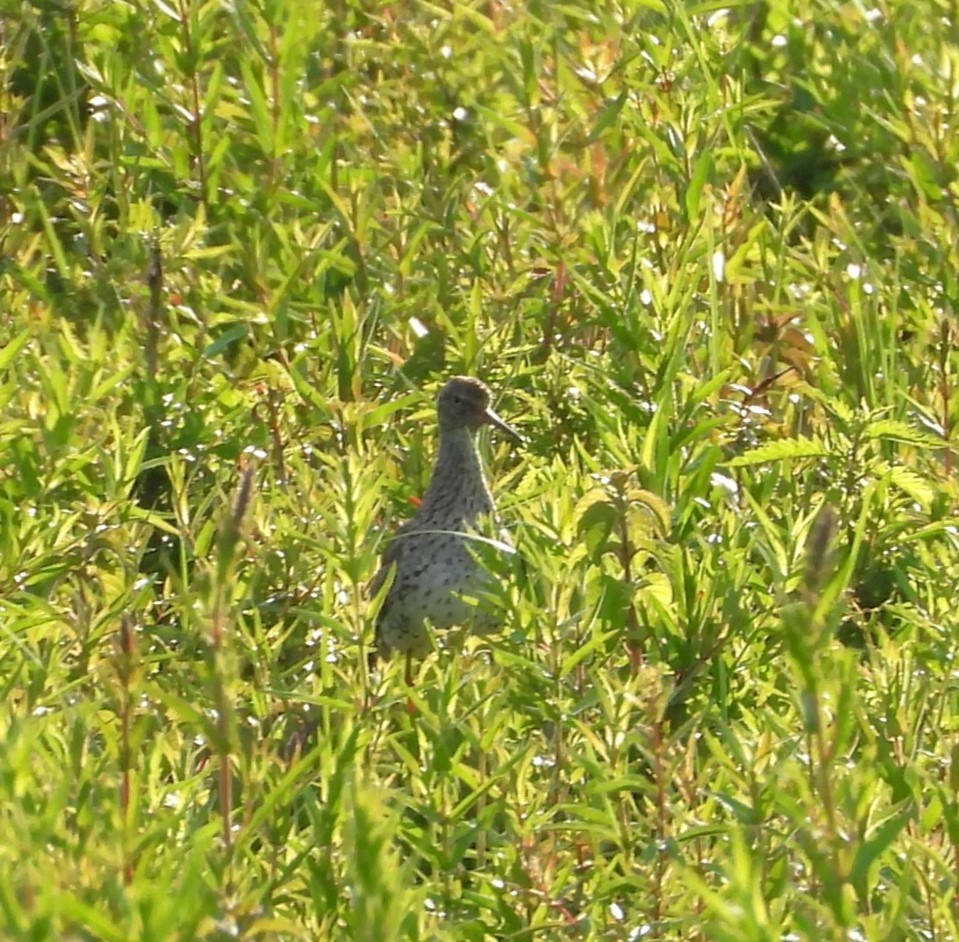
x: 920, y: 489
x: 780, y: 451
x: 9, y: 353
x: 608, y: 115
x: 901, y: 432
x: 229, y: 336
x: 656, y: 507
x: 701, y: 173
x: 875, y: 845
x: 578, y: 655
x: 304, y: 387
x: 152, y: 518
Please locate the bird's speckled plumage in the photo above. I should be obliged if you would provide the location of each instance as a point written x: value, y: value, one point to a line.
x: 432, y: 564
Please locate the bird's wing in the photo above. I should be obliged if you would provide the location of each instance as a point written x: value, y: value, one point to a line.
x: 390, y: 557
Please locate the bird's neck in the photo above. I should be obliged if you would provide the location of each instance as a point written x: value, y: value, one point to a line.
x: 458, y: 485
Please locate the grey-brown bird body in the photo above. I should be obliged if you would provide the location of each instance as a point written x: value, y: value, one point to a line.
x: 430, y: 557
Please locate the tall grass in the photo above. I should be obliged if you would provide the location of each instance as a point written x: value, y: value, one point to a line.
x: 706, y: 257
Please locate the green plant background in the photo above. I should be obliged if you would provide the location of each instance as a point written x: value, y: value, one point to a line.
x: 706, y: 256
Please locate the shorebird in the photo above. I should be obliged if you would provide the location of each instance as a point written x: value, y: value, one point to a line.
x: 430, y: 558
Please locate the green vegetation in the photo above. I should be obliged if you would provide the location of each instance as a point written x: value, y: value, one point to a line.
x: 708, y: 258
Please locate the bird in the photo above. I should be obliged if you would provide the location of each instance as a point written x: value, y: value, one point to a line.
x: 430, y: 556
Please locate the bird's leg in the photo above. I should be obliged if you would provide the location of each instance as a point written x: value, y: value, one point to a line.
x: 410, y: 706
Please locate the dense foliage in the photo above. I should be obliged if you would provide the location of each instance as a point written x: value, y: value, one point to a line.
x: 708, y: 259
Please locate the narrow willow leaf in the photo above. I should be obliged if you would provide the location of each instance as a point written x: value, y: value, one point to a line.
x: 9, y: 353
x: 701, y: 173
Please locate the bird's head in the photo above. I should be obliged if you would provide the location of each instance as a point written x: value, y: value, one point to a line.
x: 464, y: 403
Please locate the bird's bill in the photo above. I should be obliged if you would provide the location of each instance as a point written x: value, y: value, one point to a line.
x: 491, y: 418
